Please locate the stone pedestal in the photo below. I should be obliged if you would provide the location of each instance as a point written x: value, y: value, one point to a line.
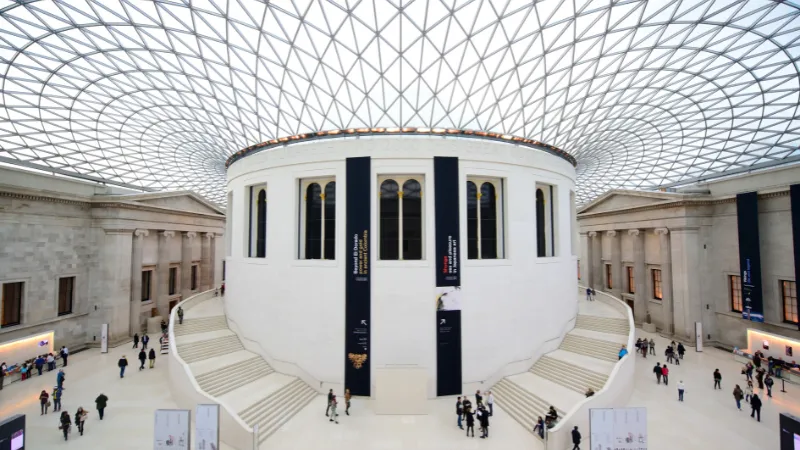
x: 649, y: 327
x: 154, y: 326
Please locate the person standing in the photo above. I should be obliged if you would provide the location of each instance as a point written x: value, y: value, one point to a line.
x: 717, y: 379
x: 484, y: 419
x: 180, y: 315
x: 478, y: 398
x: 768, y: 381
x: 588, y: 295
x: 576, y: 439
x: 755, y: 403
x: 737, y: 395
x: 347, y: 401
x: 142, y: 358
x: 44, y: 400
x: 152, y: 357
x: 470, y: 421
x: 101, y: 401
x: 459, y: 412
x: 39, y: 363
x: 56, y: 399
x: 594, y: 295
x: 490, y: 402
x: 760, y: 377
x: 64, y: 354
x: 65, y: 424
x: 60, y: 379
x: 652, y: 346
x: 681, y: 389
x: 334, y: 416
x: 657, y: 371
x: 135, y: 340
x: 330, y: 399
x: 145, y: 341
x: 122, y: 364
x: 2, y: 374
x: 80, y: 419
x: 748, y: 391
x: 665, y: 374
x: 51, y: 362
x: 681, y: 350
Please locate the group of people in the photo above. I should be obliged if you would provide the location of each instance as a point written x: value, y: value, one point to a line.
x: 481, y: 412
x: 764, y: 378
x: 591, y: 294
x: 642, y: 346
x: 38, y: 364
x: 79, y: 419
x: 333, y: 406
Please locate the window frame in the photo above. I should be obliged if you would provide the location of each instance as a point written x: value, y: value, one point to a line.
x: 631, y: 275
x: 500, y: 212
x: 193, y: 274
x: 609, y: 276
x: 401, y: 180
x: 549, y: 196
x: 21, y: 294
x: 734, y: 291
x: 658, y: 292
x: 791, y: 286
x: 257, y: 244
x: 71, y: 290
x: 149, y: 285
x: 172, y: 281
x: 303, y: 184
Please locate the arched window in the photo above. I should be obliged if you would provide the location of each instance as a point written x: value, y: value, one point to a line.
x: 313, y: 230
x: 330, y: 221
x: 541, y: 228
x: 318, y: 219
x: 261, y: 224
x: 484, y: 219
x: 400, y: 219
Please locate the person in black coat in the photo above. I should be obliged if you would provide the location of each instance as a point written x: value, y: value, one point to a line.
x: 470, y: 421
x: 576, y: 439
x: 681, y: 350
x: 152, y: 357
x: 484, y: 418
x: 755, y: 403
x: 142, y: 358
x: 136, y: 340
x: 145, y: 341
x: 122, y: 364
x: 460, y: 412
x: 478, y: 398
x: 65, y: 423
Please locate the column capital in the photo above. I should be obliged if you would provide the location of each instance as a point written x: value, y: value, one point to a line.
x: 209, y: 235
x: 611, y: 233
x: 141, y: 233
x: 189, y: 234
x: 662, y: 231
x: 592, y: 234
x: 633, y: 232
x: 168, y: 234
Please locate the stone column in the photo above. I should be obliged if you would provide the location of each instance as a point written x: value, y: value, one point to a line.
x: 112, y: 303
x: 136, y: 280
x: 616, y: 262
x: 668, y: 313
x: 639, y: 277
x: 585, y: 257
x: 186, y: 263
x: 212, y: 261
x: 162, y: 269
x: 590, y: 237
x: 686, y: 248
x: 597, y: 262
x: 205, y: 261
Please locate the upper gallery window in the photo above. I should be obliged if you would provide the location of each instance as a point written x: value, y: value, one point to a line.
x: 400, y: 206
x: 545, y: 218
x: 631, y: 280
x: 735, y: 282
x: 485, y: 228
x: 789, y: 294
x: 66, y: 295
x: 11, y: 304
x: 257, y: 244
x: 318, y: 222
x: 657, y: 284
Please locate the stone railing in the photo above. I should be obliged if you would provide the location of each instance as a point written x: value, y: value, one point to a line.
x: 187, y: 393
x: 616, y: 392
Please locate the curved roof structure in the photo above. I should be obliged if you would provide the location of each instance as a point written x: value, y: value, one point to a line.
x: 158, y: 94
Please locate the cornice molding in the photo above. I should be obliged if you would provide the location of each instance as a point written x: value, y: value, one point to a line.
x: 25, y: 196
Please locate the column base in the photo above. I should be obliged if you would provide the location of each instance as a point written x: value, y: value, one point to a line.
x: 649, y: 327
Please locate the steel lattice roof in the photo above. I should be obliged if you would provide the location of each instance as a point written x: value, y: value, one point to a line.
x: 158, y: 94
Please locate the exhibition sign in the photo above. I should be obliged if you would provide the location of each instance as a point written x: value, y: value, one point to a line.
x: 171, y: 429
x: 749, y: 256
x: 618, y: 428
x: 357, y: 281
x: 206, y: 427
x: 794, y: 193
x: 448, y: 276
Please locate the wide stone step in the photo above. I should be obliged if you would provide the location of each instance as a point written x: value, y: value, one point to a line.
x: 568, y: 375
x: 201, y: 325
x: 297, y: 403
x: 596, y: 348
x: 520, y: 404
x: 198, y: 351
x: 233, y: 376
x: 277, y: 408
x: 602, y: 324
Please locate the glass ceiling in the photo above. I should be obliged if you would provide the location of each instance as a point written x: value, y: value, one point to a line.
x: 157, y: 94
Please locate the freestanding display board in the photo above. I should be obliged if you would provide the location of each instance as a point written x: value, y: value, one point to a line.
x: 206, y: 427
x: 12, y: 433
x: 171, y: 430
x: 618, y: 428
x: 357, y: 281
x: 448, y: 276
x: 749, y: 256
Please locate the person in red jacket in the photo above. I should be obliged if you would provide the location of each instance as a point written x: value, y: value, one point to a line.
x: 665, y: 374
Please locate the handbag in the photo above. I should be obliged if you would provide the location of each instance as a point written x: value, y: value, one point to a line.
x: 47, y: 404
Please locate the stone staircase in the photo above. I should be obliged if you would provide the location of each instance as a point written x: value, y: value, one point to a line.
x: 201, y: 325
x: 521, y: 404
x: 610, y: 325
x: 220, y: 381
x: 210, y: 348
x: 568, y: 375
x: 271, y: 412
x: 596, y: 348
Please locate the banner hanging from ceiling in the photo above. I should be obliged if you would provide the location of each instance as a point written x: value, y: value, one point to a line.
x: 794, y: 192
x: 749, y: 256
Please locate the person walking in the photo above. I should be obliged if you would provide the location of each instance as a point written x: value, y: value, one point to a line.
x: 665, y: 374
x: 760, y: 377
x: 539, y: 427
x: 470, y: 421
x: 80, y: 418
x: 39, y: 363
x: 755, y: 403
x: 145, y: 341
x: 459, y: 412
x: 748, y: 371
x: 44, y: 401
x: 681, y: 389
x: 478, y: 398
x: 64, y: 354
x: 576, y: 439
x: 56, y: 399
x: 135, y: 340
x: 485, y: 423
x: 588, y: 295
x: 334, y: 416
x: 668, y: 354
x: 65, y: 423
x: 152, y: 357
x: 681, y: 350
x: 330, y: 399
x: 180, y: 315
x: 652, y: 346
x: 768, y: 382
x: 490, y: 402
x: 717, y: 379
x: 142, y: 358
x: 658, y: 372
x: 347, y: 401
x: 101, y: 402
x: 738, y: 394
x: 622, y: 352
x: 594, y: 295
x: 122, y: 364
x: 748, y: 391
x: 60, y: 379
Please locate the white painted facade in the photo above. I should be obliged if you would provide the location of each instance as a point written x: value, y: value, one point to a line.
x: 295, y: 309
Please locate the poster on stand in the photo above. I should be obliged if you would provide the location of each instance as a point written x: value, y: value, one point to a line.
x: 206, y: 427
x: 171, y: 430
x: 104, y: 338
x: 618, y: 428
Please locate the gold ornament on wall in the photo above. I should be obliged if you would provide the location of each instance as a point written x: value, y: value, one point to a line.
x: 358, y: 359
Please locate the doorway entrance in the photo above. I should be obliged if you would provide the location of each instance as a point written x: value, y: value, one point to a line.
x: 630, y: 303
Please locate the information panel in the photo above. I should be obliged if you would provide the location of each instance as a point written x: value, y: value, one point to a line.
x: 618, y: 428
x: 794, y: 191
x: 357, y: 284
x: 206, y: 427
x: 749, y: 256
x: 171, y: 429
x: 448, y: 276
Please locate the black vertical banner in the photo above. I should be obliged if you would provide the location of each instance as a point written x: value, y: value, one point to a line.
x: 357, y: 284
x: 448, y: 276
x: 794, y: 192
x: 749, y: 256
